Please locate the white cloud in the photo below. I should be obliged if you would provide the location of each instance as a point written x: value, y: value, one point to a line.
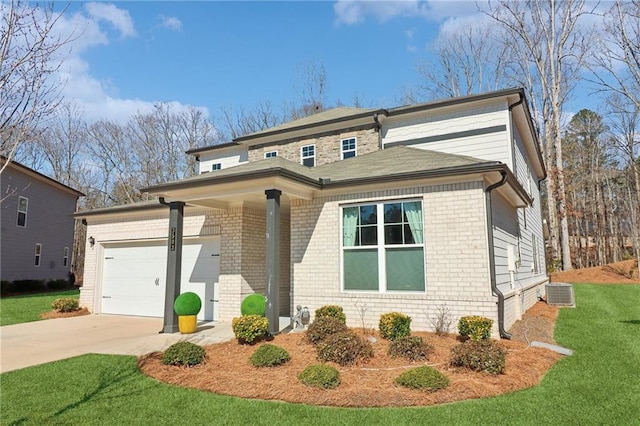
x: 170, y: 23
x: 351, y: 12
x: 119, y: 18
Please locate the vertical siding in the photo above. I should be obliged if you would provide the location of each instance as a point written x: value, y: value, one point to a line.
x: 49, y: 222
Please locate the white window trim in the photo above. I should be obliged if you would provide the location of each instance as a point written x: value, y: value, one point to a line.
x: 213, y: 167
x: 25, y: 212
x: 271, y: 152
x: 302, y: 157
x: 37, y: 260
x: 65, y: 258
x: 382, y: 267
x: 354, y: 150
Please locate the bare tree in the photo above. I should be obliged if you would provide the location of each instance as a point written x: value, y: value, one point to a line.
x: 30, y: 55
x: 553, y: 49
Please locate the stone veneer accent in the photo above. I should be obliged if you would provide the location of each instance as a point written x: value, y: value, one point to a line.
x: 328, y: 146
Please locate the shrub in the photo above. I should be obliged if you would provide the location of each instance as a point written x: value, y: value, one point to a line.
x: 65, y: 304
x: 187, y: 303
x: 183, y: 353
x: 58, y: 284
x: 393, y: 325
x: 333, y: 311
x: 344, y: 348
x: 269, y: 355
x: 425, y: 377
x: 483, y: 355
x: 412, y: 348
x: 442, y: 320
x: 24, y: 286
x: 250, y: 327
x: 475, y: 327
x: 324, y: 327
x: 6, y: 287
x: 320, y: 376
x: 254, y: 304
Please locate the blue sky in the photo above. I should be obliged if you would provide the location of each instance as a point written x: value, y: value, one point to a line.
x: 237, y: 54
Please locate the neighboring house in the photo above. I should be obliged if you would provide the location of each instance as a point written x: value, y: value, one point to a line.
x: 406, y: 209
x: 37, y: 225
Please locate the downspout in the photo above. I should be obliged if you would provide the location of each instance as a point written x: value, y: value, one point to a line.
x: 492, y: 266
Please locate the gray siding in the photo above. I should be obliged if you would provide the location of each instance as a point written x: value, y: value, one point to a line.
x: 49, y: 222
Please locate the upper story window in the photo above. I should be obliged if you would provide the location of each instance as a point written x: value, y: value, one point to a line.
x: 23, y: 204
x: 65, y: 258
x: 308, y: 155
x: 383, y: 247
x: 216, y: 166
x: 270, y: 154
x: 348, y: 148
x: 36, y: 260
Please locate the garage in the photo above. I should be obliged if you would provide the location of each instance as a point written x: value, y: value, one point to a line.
x: 134, y: 276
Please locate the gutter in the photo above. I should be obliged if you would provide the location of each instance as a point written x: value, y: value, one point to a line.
x: 492, y: 264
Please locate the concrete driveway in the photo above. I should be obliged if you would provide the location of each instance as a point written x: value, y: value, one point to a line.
x: 39, y: 342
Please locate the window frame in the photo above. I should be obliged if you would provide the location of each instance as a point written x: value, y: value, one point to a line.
x: 382, y: 247
x: 23, y: 213
x: 216, y: 167
x: 303, y: 157
x: 37, y: 260
x: 65, y: 257
x: 353, y: 150
x: 270, y: 154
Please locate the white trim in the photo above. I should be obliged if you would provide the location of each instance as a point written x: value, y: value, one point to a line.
x: 25, y: 212
x: 354, y: 150
x: 37, y: 259
x: 65, y: 257
x: 266, y: 154
x: 303, y: 157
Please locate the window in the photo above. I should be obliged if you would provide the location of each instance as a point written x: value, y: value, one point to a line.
x: 216, y: 166
x: 23, y: 204
x: 36, y: 261
x: 348, y: 148
x: 270, y: 154
x: 308, y: 154
x: 383, y: 247
x: 65, y: 258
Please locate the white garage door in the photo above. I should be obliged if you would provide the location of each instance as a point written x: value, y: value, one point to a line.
x: 134, y: 277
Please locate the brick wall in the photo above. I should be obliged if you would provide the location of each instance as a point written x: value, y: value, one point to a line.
x: 328, y: 146
x: 457, y: 273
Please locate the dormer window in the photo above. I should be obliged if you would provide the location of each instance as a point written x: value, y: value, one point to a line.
x: 216, y: 166
x: 270, y: 154
x: 348, y: 148
x: 308, y: 155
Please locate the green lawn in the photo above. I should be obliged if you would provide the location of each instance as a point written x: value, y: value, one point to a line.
x: 18, y: 309
x: 598, y: 385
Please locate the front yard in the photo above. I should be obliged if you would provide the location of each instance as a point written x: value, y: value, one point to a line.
x: 27, y: 308
x: 599, y: 384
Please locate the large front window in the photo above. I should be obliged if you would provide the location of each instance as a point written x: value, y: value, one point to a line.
x: 383, y: 247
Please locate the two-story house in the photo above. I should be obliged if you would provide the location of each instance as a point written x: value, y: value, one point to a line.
x: 405, y: 209
x: 37, y: 225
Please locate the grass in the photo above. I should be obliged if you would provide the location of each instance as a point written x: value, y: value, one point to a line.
x: 27, y: 308
x: 599, y: 384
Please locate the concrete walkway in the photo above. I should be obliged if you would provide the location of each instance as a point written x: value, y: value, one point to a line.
x: 39, y: 342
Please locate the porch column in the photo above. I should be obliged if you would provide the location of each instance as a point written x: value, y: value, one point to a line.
x: 273, y: 259
x: 174, y: 265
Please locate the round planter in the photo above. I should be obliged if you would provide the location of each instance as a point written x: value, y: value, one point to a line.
x: 187, y: 324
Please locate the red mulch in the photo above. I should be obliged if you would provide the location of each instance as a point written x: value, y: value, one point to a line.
x: 368, y: 384
x: 615, y: 273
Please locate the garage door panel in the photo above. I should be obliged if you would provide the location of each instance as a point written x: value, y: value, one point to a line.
x: 134, y: 277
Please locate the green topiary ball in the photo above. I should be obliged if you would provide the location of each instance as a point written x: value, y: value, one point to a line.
x: 254, y: 304
x: 187, y: 303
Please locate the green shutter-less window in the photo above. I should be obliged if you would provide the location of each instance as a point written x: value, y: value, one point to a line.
x: 405, y: 269
x: 361, y: 269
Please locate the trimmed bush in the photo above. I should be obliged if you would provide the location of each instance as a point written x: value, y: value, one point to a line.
x: 479, y: 355
x: 250, y: 327
x: 394, y: 325
x: 269, y: 355
x: 475, y: 327
x: 187, y: 303
x: 324, y: 327
x: 65, y: 304
x: 333, y: 311
x: 344, y: 348
x: 412, y: 348
x: 320, y: 376
x: 6, y: 287
x: 58, y: 284
x: 28, y: 286
x: 184, y: 353
x: 254, y: 304
x: 425, y: 378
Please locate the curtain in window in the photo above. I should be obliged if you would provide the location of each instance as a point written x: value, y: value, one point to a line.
x: 349, y: 224
x: 413, y: 211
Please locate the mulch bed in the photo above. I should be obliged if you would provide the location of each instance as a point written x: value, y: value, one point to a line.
x: 56, y: 314
x: 368, y: 384
x: 614, y: 273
